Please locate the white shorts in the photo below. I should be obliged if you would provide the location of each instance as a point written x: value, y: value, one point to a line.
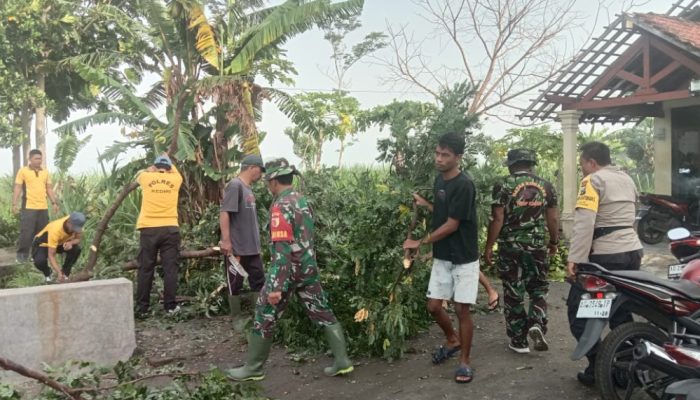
x: 458, y: 282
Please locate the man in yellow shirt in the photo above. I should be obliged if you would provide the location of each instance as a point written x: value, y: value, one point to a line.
x: 158, y: 224
x: 61, y: 236
x: 34, y: 184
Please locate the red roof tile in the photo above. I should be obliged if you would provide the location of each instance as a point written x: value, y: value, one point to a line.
x: 683, y: 30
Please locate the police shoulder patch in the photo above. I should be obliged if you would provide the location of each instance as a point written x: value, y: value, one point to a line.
x: 587, y: 196
x: 280, y: 228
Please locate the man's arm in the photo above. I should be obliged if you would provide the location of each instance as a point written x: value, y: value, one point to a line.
x: 553, y: 227
x: 421, y: 201
x: 495, y: 226
x: 443, y: 231
x: 53, y: 263
x: 229, y: 204
x: 224, y: 227
x: 52, y: 196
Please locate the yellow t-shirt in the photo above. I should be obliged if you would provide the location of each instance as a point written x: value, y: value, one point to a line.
x: 34, y: 187
x: 159, y: 198
x: 53, y: 234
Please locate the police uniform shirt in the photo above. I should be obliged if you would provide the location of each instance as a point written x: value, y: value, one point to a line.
x: 159, y: 201
x: 607, y: 198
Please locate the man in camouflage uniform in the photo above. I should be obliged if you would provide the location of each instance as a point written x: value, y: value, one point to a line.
x: 293, y: 270
x: 521, y: 205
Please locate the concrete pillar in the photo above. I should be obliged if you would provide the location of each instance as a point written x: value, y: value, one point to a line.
x: 662, y: 155
x: 569, y: 125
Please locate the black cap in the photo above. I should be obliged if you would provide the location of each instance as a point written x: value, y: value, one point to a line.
x: 517, y: 155
x: 254, y: 160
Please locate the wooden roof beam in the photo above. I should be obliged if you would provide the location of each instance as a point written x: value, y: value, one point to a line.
x: 627, y: 101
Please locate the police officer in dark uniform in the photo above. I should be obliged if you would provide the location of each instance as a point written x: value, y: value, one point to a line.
x: 523, y: 203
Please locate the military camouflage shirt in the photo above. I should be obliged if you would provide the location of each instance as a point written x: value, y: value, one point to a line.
x: 291, y: 240
x: 525, y: 198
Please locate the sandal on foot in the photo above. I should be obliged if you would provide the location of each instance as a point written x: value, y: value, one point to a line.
x: 493, y: 305
x: 464, y: 374
x: 443, y: 353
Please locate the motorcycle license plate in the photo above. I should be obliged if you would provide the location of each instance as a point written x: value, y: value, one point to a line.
x: 594, y: 308
x: 674, y: 271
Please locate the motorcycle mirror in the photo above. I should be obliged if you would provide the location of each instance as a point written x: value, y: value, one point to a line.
x: 678, y: 234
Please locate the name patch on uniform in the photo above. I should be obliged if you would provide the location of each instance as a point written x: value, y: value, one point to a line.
x: 587, y: 196
x: 280, y: 229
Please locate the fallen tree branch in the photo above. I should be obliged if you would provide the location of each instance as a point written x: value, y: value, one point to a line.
x: 185, y: 254
x: 75, y: 393
x: 39, y: 376
x: 87, y: 273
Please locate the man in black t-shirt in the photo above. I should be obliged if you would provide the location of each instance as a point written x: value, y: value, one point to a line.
x: 455, y: 272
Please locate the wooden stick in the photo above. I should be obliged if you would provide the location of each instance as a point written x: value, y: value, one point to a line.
x: 39, y: 376
x: 185, y: 254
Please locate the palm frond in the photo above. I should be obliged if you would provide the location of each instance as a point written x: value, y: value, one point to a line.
x: 206, y: 43
x: 81, y: 124
x: 113, y: 151
x: 67, y: 150
x: 156, y: 96
x: 112, y: 88
x: 285, y: 21
x: 294, y: 110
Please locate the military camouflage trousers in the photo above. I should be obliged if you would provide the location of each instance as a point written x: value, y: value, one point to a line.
x: 524, y: 271
x: 310, y: 294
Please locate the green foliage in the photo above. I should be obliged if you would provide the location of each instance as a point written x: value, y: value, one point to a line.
x: 212, y: 384
x: 361, y: 218
x: 7, y: 392
x: 9, y: 222
x: 414, y: 129
x: 67, y: 150
x: 319, y: 118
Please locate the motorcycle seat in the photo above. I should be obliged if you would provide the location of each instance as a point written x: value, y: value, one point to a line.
x: 684, y: 287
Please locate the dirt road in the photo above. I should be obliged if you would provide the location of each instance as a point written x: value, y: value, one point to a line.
x: 499, y: 373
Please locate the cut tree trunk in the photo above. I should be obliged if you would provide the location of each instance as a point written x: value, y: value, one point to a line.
x: 185, y: 254
x: 16, y: 159
x: 27, y: 132
x: 40, y: 128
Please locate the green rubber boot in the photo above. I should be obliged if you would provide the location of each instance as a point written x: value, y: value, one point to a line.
x: 237, y: 320
x: 336, y: 341
x: 258, y: 350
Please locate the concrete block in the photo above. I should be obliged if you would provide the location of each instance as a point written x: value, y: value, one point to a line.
x: 89, y: 321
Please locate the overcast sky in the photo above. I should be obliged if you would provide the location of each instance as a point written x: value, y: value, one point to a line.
x: 310, y: 54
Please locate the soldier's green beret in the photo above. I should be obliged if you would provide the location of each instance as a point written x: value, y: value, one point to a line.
x: 278, y: 167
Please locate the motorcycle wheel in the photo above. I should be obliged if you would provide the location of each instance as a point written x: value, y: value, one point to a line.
x: 646, y: 233
x: 614, y: 359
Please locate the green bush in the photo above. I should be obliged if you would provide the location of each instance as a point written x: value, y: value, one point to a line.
x: 361, y: 219
x: 9, y: 222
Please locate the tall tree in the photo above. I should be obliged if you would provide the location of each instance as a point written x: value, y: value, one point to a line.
x: 344, y: 57
x: 505, y: 48
x: 319, y: 118
x: 203, y: 63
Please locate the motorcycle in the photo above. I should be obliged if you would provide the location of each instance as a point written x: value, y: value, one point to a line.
x: 676, y: 365
x: 657, y: 214
x: 683, y: 245
x: 670, y: 307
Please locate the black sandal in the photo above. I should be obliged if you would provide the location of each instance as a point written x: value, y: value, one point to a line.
x: 464, y: 374
x: 443, y: 353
